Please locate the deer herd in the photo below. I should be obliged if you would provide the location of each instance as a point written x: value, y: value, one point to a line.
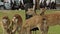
x: 42, y: 22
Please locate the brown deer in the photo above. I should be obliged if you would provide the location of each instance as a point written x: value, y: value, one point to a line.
x: 31, y: 23
x: 6, y: 25
x: 51, y: 20
x: 17, y: 23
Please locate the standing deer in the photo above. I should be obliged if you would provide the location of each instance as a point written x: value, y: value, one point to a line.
x: 6, y: 25
x: 17, y: 23
x: 51, y: 20
x: 35, y: 21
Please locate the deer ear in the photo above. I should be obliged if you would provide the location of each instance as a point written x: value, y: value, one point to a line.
x: 4, y: 20
x: 13, y: 18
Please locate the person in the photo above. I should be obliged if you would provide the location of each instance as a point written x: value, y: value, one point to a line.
x: 21, y: 1
x: 16, y: 4
x: 48, y: 4
x: 21, y: 4
x: 53, y: 4
x: 7, y: 4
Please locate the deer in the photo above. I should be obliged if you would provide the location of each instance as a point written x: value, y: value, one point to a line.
x: 51, y: 20
x: 17, y: 23
x: 6, y: 25
x: 35, y: 21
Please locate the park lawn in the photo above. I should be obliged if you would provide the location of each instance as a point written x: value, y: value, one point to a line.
x: 10, y: 13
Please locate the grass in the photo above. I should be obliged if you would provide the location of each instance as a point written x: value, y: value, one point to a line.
x: 10, y: 13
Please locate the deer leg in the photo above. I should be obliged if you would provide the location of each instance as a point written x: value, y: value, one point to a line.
x: 44, y: 29
x: 22, y: 31
x: 28, y: 31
